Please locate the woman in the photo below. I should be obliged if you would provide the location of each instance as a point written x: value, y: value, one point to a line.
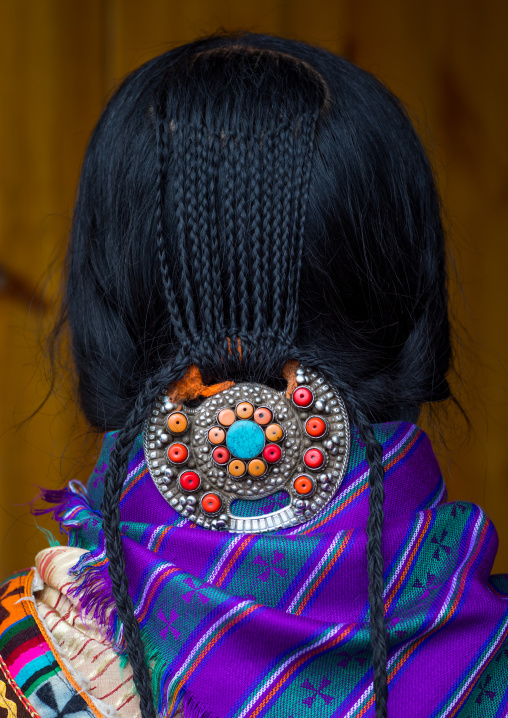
x: 256, y: 294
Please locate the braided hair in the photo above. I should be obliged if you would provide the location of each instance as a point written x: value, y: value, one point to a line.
x: 246, y: 200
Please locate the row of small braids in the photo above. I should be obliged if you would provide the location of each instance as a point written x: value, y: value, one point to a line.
x: 231, y: 192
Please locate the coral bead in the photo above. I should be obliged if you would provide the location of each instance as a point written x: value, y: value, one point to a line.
x: 256, y: 467
x: 221, y: 455
x: 303, y: 397
x: 244, y: 410
x: 177, y: 422
x: 315, y: 427
x: 272, y: 453
x: 263, y: 416
x: 274, y: 432
x: 190, y: 481
x: 226, y: 417
x: 236, y: 468
x: 216, y: 435
x: 178, y: 453
x: 211, y: 503
x: 303, y: 485
x: 314, y: 458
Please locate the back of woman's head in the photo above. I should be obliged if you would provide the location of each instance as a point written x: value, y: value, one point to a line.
x: 245, y: 200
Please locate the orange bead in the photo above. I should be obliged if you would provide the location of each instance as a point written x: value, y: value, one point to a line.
x: 177, y: 422
x: 303, y: 485
x: 226, y: 417
x: 178, y: 453
x: 263, y: 415
x: 257, y: 467
x: 211, y: 503
x: 216, y: 435
x: 244, y: 410
x: 274, y: 432
x: 236, y: 468
x: 315, y: 426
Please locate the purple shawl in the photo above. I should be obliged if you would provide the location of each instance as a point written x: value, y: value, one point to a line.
x: 276, y: 625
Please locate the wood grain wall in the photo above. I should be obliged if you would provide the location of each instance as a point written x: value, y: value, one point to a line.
x: 59, y: 62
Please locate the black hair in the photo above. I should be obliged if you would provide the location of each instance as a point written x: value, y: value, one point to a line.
x: 245, y: 200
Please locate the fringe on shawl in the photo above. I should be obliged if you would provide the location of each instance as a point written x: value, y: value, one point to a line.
x: 92, y: 585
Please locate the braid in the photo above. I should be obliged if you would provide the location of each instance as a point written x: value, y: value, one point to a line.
x: 303, y: 169
x: 267, y: 210
x: 241, y: 239
x: 161, y: 164
x: 113, y: 485
x: 375, y: 566
x: 280, y: 224
x: 211, y: 184
x: 285, y: 240
x: 374, y: 454
x: 230, y: 236
x: 258, y: 300
x: 200, y: 224
x: 180, y: 140
x: 304, y: 142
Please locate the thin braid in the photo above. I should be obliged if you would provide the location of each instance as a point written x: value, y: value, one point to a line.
x: 375, y: 564
x: 200, y: 224
x: 179, y: 143
x: 278, y: 220
x: 285, y: 240
x: 213, y: 168
x: 113, y: 486
x: 256, y: 275
x: 374, y: 454
x: 229, y: 226
x: 304, y: 141
x: 306, y: 145
x: 267, y: 217
x: 160, y: 175
x: 191, y: 205
x: 241, y: 238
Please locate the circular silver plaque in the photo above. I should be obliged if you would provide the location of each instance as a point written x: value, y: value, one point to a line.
x: 249, y: 459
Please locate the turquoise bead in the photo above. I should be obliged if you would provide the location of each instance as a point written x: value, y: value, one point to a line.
x: 245, y: 439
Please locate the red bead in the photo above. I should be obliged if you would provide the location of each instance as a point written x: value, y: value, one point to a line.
x: 316, y: 427
x: 178, y: 453
x: 211, y: 503
x: 190, y: 481
x: 303, y: 485
x: 272, y: 453
x: 221, y: 455
x: 314, y: 458
x: 303, y: 397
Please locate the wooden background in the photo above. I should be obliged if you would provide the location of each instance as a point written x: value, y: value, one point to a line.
x: 60, y: 61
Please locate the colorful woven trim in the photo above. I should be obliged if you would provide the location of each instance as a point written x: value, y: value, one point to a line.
x: 33, y: 679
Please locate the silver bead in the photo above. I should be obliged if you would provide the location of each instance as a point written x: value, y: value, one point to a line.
x: 328, y: 445
x: 319, y: 405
